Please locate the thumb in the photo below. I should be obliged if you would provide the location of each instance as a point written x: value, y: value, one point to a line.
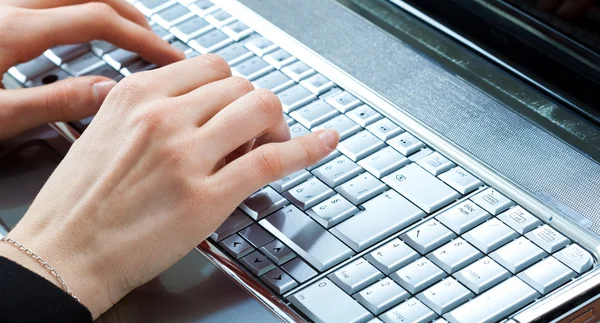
x: 68, y: 100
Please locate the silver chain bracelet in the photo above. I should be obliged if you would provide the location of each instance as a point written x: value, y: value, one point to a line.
x: 43, y: 263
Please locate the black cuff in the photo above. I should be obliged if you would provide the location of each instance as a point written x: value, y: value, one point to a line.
x: 28, y: 297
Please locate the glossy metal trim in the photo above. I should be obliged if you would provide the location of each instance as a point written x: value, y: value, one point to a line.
x: 433, y: 139
x: 248, y: 282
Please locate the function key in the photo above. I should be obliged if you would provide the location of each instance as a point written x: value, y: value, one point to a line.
x: 461, y: 180
x: 492, y: 201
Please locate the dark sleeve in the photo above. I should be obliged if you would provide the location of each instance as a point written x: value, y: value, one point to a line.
x: 28, y: 297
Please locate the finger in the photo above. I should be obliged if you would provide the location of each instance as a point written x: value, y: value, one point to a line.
x: 69, y: 100
x: 42, y: 29
x: 124, y: 8
x: 257, y: 115
x: 183, y: 77
x: 273, y: 161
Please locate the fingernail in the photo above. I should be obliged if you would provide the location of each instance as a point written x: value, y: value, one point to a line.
x: 330, y: 138
x: 100, y: 91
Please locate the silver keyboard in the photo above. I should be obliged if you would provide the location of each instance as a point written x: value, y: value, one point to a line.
x: 385, y: 229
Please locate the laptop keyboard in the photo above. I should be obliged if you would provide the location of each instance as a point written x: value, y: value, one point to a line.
x: 384, y: 228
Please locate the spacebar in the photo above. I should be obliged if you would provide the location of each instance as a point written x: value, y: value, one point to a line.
x: 383, y: 215
x: 495, y: 304
x: 307, y: 238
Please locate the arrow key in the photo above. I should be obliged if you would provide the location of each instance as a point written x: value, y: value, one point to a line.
x: 381, y: 296
x: 279, y: 281
x: 278, y: 252
x: 257, y: 263
x: 236, y: 246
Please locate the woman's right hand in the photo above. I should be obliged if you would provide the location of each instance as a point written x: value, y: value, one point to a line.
x: 170, y: 154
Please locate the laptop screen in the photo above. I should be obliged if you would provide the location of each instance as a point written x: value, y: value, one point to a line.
x: 555, y: 43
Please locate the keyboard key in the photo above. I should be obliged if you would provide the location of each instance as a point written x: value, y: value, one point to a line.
x: 482, y: 275
x: 385, y: 214
x: 203, y: 7
x: 490, y: 235
x: 234, y: 53
x: 392, y: 256
x: 495, y: 304
x: 435, y: 163
x: 385, y: 129
x: 237, y: 30
x: 337, y: 171
x: 421, y: 188
x: 138, y: 66
x: 422, y: 153
x: 306, y: 238
x: 172, y: 15
x: 317, y: 84
x: 100, y: 47
x: 548, y: 238
x: 309, y: 193
x: 333, y: 155
x: 364, y: 115
x: 257, y: 263
x: 210, y: 42
x: 383, y: 162
x: 295, y: 97
x: 406, y: 144
x: 261, y: 46
x: 299, y: 270
x: 279, y: 281
x: 64, y: 53
x: 106, y: 71
x: 191, y: 28
x: 460, y: 180
x: 150, y: 7
x: 518, y: 255
x: 454, y: 255
x: 298, y: 71
x: 49, y: 77
x: 290, y: 181
x: 344, y: 101
x: 410, y: 311
x: 234, y: 223
x: 342, y: 124
x: 547, y: 275
x: 181, y: 46
x: 315, y: 302
x: 418, y: 275
x: 492, y: 201
x: 576, y: 258
x: 445, y: 296
x: 355, y: 276
x: 332, y: 211
x: 83, y: 64
x: 236, y: 246
x: 28, y: 71
x: 219, y: 18
x: 277, y: 252
x: 256, y: 235
x: 520, y: 220
x: 360, y: 145
x: 279, y: 58
x: 314, y: 113
x: 120, y: 58
x: 263, y: 203
x: 427, y: 236
x: 361, y: 188
x: 161, y: 32
x: 274, y: 81
x: 381, y: 296
x: 463, y: 216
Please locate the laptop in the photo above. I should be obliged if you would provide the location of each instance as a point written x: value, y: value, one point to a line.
x: 465, y: 186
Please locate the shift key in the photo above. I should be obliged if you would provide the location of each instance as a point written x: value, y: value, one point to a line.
x: 306, y: 237
x: 421, y: 188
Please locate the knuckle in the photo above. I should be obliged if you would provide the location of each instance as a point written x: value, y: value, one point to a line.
x: 58, y: 99
x: 101, y: 11
x: 218, y: 64
x: 243, y: 84
x: 147, y: 120
x: 309, y: 155
x: 267, y: 104
x: 269, y: 162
